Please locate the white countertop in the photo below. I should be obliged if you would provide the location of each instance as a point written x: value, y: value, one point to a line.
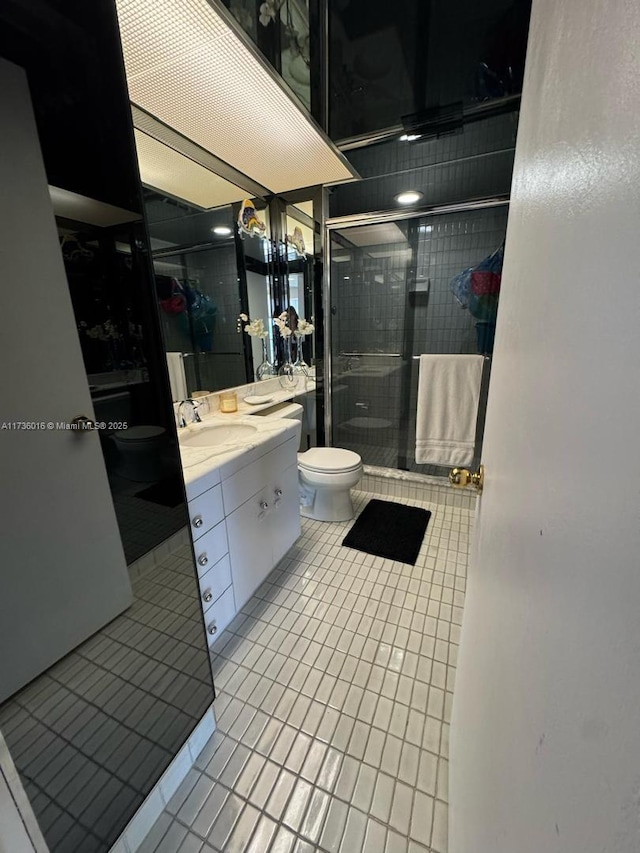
x: 204, y: 467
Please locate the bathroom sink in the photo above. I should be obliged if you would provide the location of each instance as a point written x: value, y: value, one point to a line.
x: 212, y: 436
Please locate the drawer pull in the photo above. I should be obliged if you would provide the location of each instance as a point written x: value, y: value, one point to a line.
x: 207, y: 595
x: 203, y: 560
x: 278, y: 493
x: 264, y: 505
x: 212, y: 628
x: 197, y: 521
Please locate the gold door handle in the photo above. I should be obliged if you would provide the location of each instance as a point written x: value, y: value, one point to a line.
x: 461, y: 477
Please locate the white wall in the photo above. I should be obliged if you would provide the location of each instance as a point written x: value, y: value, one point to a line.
x: 545, y: 751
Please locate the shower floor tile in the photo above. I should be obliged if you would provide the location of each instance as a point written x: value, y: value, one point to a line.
x: 334, y: 699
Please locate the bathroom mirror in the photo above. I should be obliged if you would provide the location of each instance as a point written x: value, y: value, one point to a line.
x: 105, y: 269
x: 91, y: 735
x: 208, y: 271
x: 300, y: 227
x: 202, y: 284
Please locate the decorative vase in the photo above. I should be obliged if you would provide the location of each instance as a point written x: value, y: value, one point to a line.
x: 266, y: 368
x: 288, y: 377
x: 300, y: 364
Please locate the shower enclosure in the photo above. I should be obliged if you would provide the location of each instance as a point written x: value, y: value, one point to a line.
x: 389, y: 300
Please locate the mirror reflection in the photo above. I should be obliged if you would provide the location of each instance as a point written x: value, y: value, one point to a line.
x: 99, y: 688
x: 200, y: 294
x: 92, y: 734
x: 223, y: 277
x: 103, y: 268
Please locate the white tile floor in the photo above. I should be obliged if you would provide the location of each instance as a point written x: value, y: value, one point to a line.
x: 334, y: 699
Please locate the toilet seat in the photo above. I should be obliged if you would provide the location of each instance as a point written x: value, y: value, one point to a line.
x: 329, y: 460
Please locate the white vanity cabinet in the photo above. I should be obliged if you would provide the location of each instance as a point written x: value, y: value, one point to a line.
x: 243, y: 519
x: 211, y: 549
x: 263, y: 517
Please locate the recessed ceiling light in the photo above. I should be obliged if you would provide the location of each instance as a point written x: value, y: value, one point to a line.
x: 410, y: 137
x: 408, y: 197
x: 221, y: 230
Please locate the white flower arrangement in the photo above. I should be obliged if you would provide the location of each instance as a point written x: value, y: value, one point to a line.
x: 255, y: 328
x: 106, y: 331
x: 304, y: 328
x: 268, y: 11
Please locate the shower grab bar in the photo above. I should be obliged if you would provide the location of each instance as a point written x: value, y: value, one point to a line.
x: 387, y: 355
x: 376, y: 354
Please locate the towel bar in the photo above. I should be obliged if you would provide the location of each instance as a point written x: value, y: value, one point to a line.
x: 376, y: 354
x: 417, y: 357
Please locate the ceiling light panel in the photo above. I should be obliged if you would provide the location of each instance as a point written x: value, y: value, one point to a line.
x: 150, y: 126
x: 166, y: 170
x: 189, y: 68
x: 160, y: 33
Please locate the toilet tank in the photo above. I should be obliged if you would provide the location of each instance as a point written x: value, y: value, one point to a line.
x: 113, y: 408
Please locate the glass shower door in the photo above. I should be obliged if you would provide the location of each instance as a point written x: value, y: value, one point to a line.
x: 391, y: 301
x: 370, y: 270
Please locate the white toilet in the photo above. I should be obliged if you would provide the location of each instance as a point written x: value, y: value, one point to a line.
x: 140, y: 449
x: 327, y: 475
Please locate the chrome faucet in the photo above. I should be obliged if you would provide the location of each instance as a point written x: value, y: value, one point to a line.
x: 195, y: 417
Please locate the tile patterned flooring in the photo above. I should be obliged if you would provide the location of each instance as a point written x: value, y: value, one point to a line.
x: 143, y: 524
x: 81, y: 735
x: 334, y: 699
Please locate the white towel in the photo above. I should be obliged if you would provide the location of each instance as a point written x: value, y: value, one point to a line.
x: 177, y: 378
x: 448, y: 395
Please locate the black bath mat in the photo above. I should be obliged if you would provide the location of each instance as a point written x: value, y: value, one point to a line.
x: 389, y: 530
x: 168, y: 492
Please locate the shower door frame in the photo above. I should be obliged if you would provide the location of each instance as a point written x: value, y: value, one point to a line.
x: 375, y: 218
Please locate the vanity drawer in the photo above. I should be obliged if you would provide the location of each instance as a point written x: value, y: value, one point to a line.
x: 219, y: 615
x: 245, y: 483
x: 210, y: 548
x: 205, y: 511
x: 214, y: 582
